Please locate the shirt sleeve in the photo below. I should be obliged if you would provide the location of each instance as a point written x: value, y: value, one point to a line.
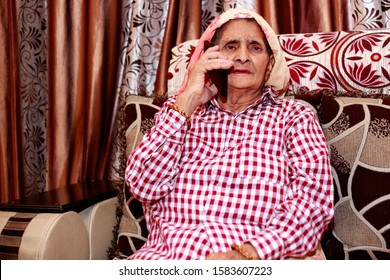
x: 297, y: 224
x: 153, y: 165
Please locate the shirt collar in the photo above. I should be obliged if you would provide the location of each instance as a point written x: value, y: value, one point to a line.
x: 266, y: 98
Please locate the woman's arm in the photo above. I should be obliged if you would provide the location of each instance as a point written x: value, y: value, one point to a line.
x: 151, y: 168
x: 300, y: 221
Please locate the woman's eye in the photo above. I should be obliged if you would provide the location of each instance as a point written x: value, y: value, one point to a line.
x: 230, y: 47
x: 257, y: 48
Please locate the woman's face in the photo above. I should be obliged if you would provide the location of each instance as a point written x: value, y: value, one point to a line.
x: 243, y: 42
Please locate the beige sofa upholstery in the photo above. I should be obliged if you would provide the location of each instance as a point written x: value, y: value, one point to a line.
x: 100, y: 220
x: 58, y: 236
x: 43, y: 236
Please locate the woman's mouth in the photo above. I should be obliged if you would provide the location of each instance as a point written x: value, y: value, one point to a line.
x: 240, y: 71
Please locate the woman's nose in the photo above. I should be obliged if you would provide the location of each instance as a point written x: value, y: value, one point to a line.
x: 241, y: 55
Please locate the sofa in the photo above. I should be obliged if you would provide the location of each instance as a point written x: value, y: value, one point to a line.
x: 345, y: 78
x: 70, y: 223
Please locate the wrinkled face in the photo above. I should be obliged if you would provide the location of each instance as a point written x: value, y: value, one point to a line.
x: 243, y: 41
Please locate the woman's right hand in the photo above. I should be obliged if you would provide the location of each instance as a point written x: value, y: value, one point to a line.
x: 199, y: 90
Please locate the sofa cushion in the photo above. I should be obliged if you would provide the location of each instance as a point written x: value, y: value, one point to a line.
x: 342, y: 61
x: 130, y: 232
x: 314, y: 97
x: 357, y: 129
x: 139, y: 118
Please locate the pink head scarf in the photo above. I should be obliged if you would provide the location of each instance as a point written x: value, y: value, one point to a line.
x: 279, y: 77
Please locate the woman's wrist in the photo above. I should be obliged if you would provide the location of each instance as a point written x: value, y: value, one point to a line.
x: 186, y: 104
x: 251, y: 250
x: 247, y: 251
x: 181, y: 112
x: 242, y: 251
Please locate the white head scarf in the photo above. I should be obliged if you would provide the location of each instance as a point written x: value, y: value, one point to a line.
x: 279, y: 77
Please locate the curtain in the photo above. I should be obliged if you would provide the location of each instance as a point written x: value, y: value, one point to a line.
x: 58, y: 100
x: 67, y: 67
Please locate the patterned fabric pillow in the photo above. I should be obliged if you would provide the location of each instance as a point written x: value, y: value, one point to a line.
x: 131, y: 231
x: 341, y: 61
x: 358, y: 134
x: 139, y: 112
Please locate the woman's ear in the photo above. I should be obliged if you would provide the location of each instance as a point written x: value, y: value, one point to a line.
x: 270, y: 66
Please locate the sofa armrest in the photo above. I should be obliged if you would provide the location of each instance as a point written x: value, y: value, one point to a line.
x: 100, y: 220
x: 43, y: 236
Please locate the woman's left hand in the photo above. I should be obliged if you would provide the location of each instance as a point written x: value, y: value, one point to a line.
x: 234, y: 255
x: 231, y: 255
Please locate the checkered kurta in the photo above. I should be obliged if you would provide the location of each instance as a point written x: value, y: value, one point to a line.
x: 260, y: 176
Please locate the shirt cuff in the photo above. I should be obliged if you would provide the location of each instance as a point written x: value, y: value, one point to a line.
x: 173, y: 127
x: 269, y: 245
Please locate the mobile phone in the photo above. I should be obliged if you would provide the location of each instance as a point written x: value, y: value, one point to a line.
x: 218, y: 77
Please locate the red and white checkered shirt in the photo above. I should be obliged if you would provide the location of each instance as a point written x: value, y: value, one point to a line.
x: 260, y: 176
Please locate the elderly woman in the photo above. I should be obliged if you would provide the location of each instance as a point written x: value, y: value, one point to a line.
x: 232, y: 171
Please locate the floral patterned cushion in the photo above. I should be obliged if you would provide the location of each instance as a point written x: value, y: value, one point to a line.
x: 131, y: 232
x: 139, y: 112
x: 355, y: 60
x: 358, y: 133
x: 342, y: 61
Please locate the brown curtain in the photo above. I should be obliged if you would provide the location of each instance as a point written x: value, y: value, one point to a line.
x: 10, y: 138
x: 58, y: 97
x: 82, y: 83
